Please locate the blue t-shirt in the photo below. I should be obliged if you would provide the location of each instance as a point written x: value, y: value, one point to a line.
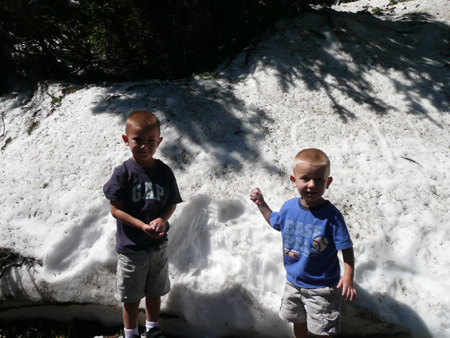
x: 311, y: 240
x: 145, y: 193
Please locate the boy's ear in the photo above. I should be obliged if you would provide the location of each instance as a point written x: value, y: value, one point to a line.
x: 292, y: 178
x: 330, y: 179
x: 125, y: 139
x: 159, y: 141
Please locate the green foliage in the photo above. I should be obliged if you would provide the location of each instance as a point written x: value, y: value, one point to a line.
x: 56, y: 101
x: 43, y: 328
x: 7, y: 141
x: 377, y: 10
x: 32, y: 126
x: 129, y: 39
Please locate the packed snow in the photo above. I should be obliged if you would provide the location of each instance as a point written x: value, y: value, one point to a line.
x: 371, y: 91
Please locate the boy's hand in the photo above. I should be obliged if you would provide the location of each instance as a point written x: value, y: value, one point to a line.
x: 348, y: 290
x: 156, y: 228
x: 256, y: 196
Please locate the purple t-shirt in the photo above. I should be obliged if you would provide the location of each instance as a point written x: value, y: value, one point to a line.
x: 311, y: 240
x: 145, y: 193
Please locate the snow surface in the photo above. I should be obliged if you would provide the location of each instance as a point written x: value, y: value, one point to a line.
x: 372, y: 92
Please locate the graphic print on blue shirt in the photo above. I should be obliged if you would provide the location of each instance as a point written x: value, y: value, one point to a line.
x: 298, y: 238
x: 311, y: 240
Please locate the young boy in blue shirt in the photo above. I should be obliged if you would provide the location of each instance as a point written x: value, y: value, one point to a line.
x: 313, y: 231
x: 143, y: 194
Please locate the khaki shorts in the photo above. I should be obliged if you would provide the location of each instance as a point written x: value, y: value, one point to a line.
x: 141, y: 274
x: 319, y: 308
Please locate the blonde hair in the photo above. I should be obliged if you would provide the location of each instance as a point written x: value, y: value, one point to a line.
x: 312, y: 156
x: 142, y: 118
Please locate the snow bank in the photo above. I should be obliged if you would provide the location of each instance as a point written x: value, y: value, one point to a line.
x: 364, y: 90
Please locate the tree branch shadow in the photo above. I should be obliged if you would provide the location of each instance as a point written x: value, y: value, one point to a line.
x: 205, y: 113
x: 332, y: 52
x: 337, y: 52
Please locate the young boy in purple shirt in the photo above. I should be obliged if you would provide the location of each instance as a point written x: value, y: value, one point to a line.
x: 143, y: 194
x: 313, y: 231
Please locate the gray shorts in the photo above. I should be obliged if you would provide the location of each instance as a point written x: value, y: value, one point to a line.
x: 319, y: 308
x: 141, y: 274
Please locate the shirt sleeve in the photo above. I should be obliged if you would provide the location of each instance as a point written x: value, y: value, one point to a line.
x: 114, y: 189
x: 174, y: 194
x: 341, y: 235
x: 275, y: 220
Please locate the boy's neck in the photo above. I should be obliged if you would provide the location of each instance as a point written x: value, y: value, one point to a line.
x: 317, y: 203
x: 145, y: 164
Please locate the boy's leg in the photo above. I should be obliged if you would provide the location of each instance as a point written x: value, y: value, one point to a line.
x: 293, y: 310
x: 300, y: 330
x: 152, y: 308
x: 158, y: 284
x: 130, y: 289
x: 130, y: 315
x: 323, y: 311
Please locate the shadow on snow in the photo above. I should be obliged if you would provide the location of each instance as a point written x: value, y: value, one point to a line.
x: 328, y: 51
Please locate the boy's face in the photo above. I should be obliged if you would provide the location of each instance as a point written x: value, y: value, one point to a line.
x: 311, y: 182
x: 143, y: 142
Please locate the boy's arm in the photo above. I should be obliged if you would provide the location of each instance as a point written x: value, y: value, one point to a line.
x: 117, y: 212
x: 159, y: 224
x: 257, y: 197
x: 116, y: 208
x: 346, y: 282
